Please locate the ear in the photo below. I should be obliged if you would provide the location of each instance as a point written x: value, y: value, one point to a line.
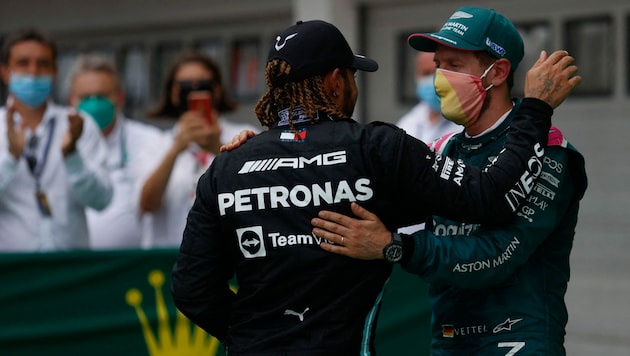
x: 501, y: 70
x: 333, y: 83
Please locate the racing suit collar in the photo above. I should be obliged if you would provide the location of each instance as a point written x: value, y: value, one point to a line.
x: 471, y: 143
x: 299, y: 117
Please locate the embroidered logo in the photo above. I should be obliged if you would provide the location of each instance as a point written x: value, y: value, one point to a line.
x: 251, y: 241
x: 461, y: 15
x: 290, y: 136
x: 506, y: 325
x: 280, y: 46
x: 299, y: 315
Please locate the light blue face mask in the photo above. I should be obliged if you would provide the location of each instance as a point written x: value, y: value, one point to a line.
x: 100, y: 108
x: 426, y: 92
x: 32, y: 90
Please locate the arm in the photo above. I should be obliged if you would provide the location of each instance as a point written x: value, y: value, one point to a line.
x: 489, y: 255
x: 10, y: 158
x: 192, y: 128
x: 204, y: 267
x: 154, y: 187
x: 89, y: 178
x: 448, y: 187
x: 485, y: 257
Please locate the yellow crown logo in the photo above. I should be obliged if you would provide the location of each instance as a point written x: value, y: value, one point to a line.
x: 187, y: 339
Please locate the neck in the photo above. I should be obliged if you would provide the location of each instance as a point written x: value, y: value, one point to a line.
x: 494, y: 109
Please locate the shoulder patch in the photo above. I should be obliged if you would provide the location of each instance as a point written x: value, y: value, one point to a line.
x: 439, y: 145
x: 556, y: 138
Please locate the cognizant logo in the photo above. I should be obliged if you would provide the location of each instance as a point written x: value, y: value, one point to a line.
x: 272, y: 164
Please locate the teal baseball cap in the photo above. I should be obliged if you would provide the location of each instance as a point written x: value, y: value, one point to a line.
x: 475, y: 29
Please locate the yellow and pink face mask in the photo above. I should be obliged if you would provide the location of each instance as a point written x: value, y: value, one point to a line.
x: 461, y: 95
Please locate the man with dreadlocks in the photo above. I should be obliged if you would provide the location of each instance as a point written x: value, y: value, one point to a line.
x: 251, y: 217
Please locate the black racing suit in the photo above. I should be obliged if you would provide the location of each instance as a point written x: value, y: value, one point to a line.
x: 251, y: 218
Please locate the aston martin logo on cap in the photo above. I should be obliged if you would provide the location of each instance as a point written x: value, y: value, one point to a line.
x: 461, y: 15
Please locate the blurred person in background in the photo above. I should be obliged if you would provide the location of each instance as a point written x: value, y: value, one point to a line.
x: 52, y: 160
x: 425, y: 121
x: 95, y: 88
x: 168, y: 191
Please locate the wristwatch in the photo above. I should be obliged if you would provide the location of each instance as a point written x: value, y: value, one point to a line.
x: 393, y: 251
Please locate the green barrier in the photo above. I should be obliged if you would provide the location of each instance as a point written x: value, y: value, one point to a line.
x: 119, y: 303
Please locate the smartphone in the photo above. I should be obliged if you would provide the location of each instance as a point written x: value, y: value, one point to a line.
x: 201, y: 101
x: 188, y: 86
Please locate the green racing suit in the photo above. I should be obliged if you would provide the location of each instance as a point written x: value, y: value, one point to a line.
x: 499, y: 290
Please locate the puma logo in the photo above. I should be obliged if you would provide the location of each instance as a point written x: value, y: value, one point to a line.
x: 299, y: 315
x: 280, y: 46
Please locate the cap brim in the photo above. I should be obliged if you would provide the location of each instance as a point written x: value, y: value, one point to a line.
x: 423, y: 42
x: 363, y: 63
x: 427, y: 42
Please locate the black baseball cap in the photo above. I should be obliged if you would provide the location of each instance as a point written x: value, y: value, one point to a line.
x: 316, y: 47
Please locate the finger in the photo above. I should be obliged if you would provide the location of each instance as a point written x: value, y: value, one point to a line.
x: 327, y: 235
x: 328, y: 226
x: 331, y: 216
x: 541, y: 58
x: 556, y: 56
x: 330, y: 238
x: 570, y: 71
x: 362, y: 213
x: 565, y: 62
x: 243, y: 136
x: 332, y: 248
x: 228, y: 147
x: 575, y: 81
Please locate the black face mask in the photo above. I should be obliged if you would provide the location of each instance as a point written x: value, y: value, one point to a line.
x: 188, y: 86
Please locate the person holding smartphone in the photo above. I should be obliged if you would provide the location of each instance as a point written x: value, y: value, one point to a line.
x: 194, y: 103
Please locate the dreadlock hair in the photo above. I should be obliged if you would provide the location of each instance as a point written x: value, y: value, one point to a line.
x: 281, y: 93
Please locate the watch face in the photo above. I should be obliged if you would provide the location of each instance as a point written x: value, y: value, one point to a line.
x: 394, y: 253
